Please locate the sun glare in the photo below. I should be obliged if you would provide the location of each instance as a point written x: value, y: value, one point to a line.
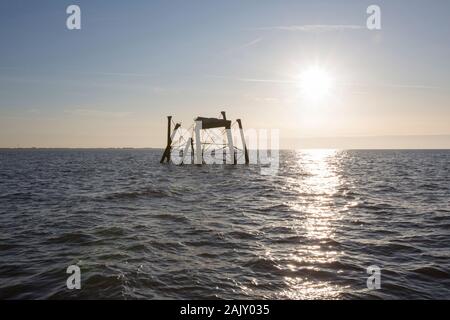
x: 316, y: 83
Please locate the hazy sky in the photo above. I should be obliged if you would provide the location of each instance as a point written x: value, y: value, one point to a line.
x: 112, y: 83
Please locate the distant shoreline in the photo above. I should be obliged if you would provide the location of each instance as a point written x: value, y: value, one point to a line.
x: 387, y: 142
x: 296, y: 149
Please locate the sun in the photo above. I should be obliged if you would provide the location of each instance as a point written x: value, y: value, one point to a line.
x: 316, y: 83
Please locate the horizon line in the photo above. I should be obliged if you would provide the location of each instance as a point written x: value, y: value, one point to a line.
x: 292, y: 141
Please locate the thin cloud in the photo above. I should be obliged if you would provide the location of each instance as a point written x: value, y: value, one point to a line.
x: 97, y: 113
x: 393, y: 86
x: 341, y: 84
x: 264, y: 80
x: 250, y: 44
x: 314, y: 27
x: 93, y: 73
x: 252, y: 79
x: 409, y: 86
x: 244, y: 46
x: 117, y: 74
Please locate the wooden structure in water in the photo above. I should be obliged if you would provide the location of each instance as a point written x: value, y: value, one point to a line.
x: 194, y: 142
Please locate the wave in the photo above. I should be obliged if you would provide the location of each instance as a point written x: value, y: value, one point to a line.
x: 79, y: 238
x: 144, y: 230
x: 433, y: 272
x: 144, y: 193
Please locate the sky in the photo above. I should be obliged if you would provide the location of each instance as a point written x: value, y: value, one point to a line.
x: 112, y: 83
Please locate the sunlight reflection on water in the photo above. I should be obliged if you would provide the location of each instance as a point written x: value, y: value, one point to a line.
x: 142, y: 230
x: 318, y: 183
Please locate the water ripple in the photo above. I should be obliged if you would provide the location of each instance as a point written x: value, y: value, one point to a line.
x: 141, y: 230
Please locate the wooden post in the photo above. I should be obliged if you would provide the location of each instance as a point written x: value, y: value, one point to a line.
x: 230, y: 145
x: 230, y: 140
x: 241, y: 130
x: 192, y: 150
x: 177, y: 126
x: 167, y: 151
x: 198, y: 143
x: 169, y: 140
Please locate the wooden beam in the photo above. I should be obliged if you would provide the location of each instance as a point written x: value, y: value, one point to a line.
x: 169, y: 140
x: 241, y: 130
x: 210, y: 123
x: 166, y: 154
